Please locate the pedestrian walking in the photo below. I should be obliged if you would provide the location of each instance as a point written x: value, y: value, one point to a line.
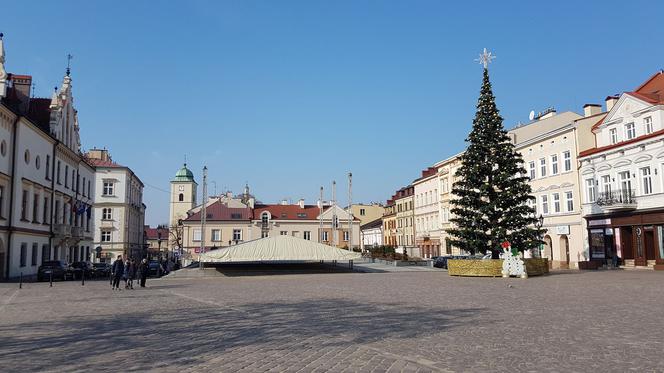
x: 117, y: 270
x: 131, y: 274
x: 143, y: 271
x: 125, y: 274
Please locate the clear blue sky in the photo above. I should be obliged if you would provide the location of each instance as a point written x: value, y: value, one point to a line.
x: 289, y: 95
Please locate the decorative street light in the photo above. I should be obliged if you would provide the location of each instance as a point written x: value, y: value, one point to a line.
x: 538, y: 224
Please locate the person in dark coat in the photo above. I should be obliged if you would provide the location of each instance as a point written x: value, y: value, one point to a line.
x: 131, y: 274
x: 117, y: 271
x: 125, y: 274
x: 143, y: 271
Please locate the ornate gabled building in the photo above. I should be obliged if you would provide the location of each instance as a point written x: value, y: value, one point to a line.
x: 622, y: 178
x: 46, y: 185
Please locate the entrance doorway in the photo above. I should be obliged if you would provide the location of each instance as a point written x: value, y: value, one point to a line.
x: 649, y: 242
x: 640, y: 252
x: 564, y: 251
x: 548, y: 249
x: 626, y: 243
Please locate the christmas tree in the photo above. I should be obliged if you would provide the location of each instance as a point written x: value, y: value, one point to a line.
x: 492, y: 193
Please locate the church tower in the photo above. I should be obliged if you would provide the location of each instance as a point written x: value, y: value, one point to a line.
x: 183, y: 194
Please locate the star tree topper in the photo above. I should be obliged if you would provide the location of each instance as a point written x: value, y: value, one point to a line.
x: 485, y: 58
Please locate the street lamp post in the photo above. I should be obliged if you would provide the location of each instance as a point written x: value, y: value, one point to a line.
x: 159, y: 253
x: 538, y: 224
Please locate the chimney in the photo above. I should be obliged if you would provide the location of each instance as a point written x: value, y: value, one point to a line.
x: 284, y: 202
x: 229, y: 194
x: 100, y: 154
x: 591, y: 109
x: 301, y: 203
x: 22, y: 85
x: 610, y: 101
x: 252, y: 202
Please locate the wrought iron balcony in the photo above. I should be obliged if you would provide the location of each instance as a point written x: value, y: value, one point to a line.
x: 621, y: 199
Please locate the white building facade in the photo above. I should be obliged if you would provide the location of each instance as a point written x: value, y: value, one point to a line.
x: 549, y: 150
x: 623, y: 179
x: 45, y: 182
x: 427, y: 213
x: 372, y: 234
x: 119, y: 209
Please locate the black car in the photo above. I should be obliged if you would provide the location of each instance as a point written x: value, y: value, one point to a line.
x: 101, y: 270
x: 155, y: 268
x: 441, y: 262
x: 81, y: 269
x: 58, y: 269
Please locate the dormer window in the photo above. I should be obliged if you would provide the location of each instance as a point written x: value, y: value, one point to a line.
x: 613, y: 134
x: 630, y: 131
x: 647, y: 124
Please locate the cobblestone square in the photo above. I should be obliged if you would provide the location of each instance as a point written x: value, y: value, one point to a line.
x: 417, y: 321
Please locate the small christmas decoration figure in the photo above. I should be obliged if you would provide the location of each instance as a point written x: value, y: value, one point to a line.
x: 513, y: 264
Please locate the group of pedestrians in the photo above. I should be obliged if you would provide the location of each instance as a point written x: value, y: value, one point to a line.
x: 127, y: 271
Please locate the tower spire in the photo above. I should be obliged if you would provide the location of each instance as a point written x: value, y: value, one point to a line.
x: 69, y: 58
x: 3, y: 73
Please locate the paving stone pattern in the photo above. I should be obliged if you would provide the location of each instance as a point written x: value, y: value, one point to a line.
x: 417, y: 321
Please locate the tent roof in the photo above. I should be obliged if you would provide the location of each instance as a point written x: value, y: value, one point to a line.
x: 278, y: 249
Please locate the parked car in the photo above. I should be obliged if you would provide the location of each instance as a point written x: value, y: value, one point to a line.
x: 155, y: 268
x: 59, y: 269
x: 441, y: 262
x: 81, y: 269
x: 101, y: 270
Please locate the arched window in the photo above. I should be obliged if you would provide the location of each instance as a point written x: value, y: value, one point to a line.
x: 265, y: 218
x: 181, y: 197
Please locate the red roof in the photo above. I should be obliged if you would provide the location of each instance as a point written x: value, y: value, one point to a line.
x: 428, y: 172
x: 651, y: 91
x: 220, y: 211
x: 655, y: 84
x: 19, y: 76
x: 102, y: 163
x: 288, y: 212
x: 153, y: 233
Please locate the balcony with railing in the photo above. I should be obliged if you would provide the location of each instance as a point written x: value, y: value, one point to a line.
x: 77, y: 232
x: 62, y: 230
x: 617, y: 200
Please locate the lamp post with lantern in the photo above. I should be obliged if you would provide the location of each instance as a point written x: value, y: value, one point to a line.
x: 538, y: 224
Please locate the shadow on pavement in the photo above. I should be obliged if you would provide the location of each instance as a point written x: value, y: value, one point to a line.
x: 192, y: 335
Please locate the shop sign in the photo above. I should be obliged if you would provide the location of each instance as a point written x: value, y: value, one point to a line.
x: 593, y: 223
x: 562, y: 229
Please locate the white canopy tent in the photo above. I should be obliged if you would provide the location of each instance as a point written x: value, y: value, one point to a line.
x: 285, y: 249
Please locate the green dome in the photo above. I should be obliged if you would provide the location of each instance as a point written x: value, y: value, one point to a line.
x: 184, y: 174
